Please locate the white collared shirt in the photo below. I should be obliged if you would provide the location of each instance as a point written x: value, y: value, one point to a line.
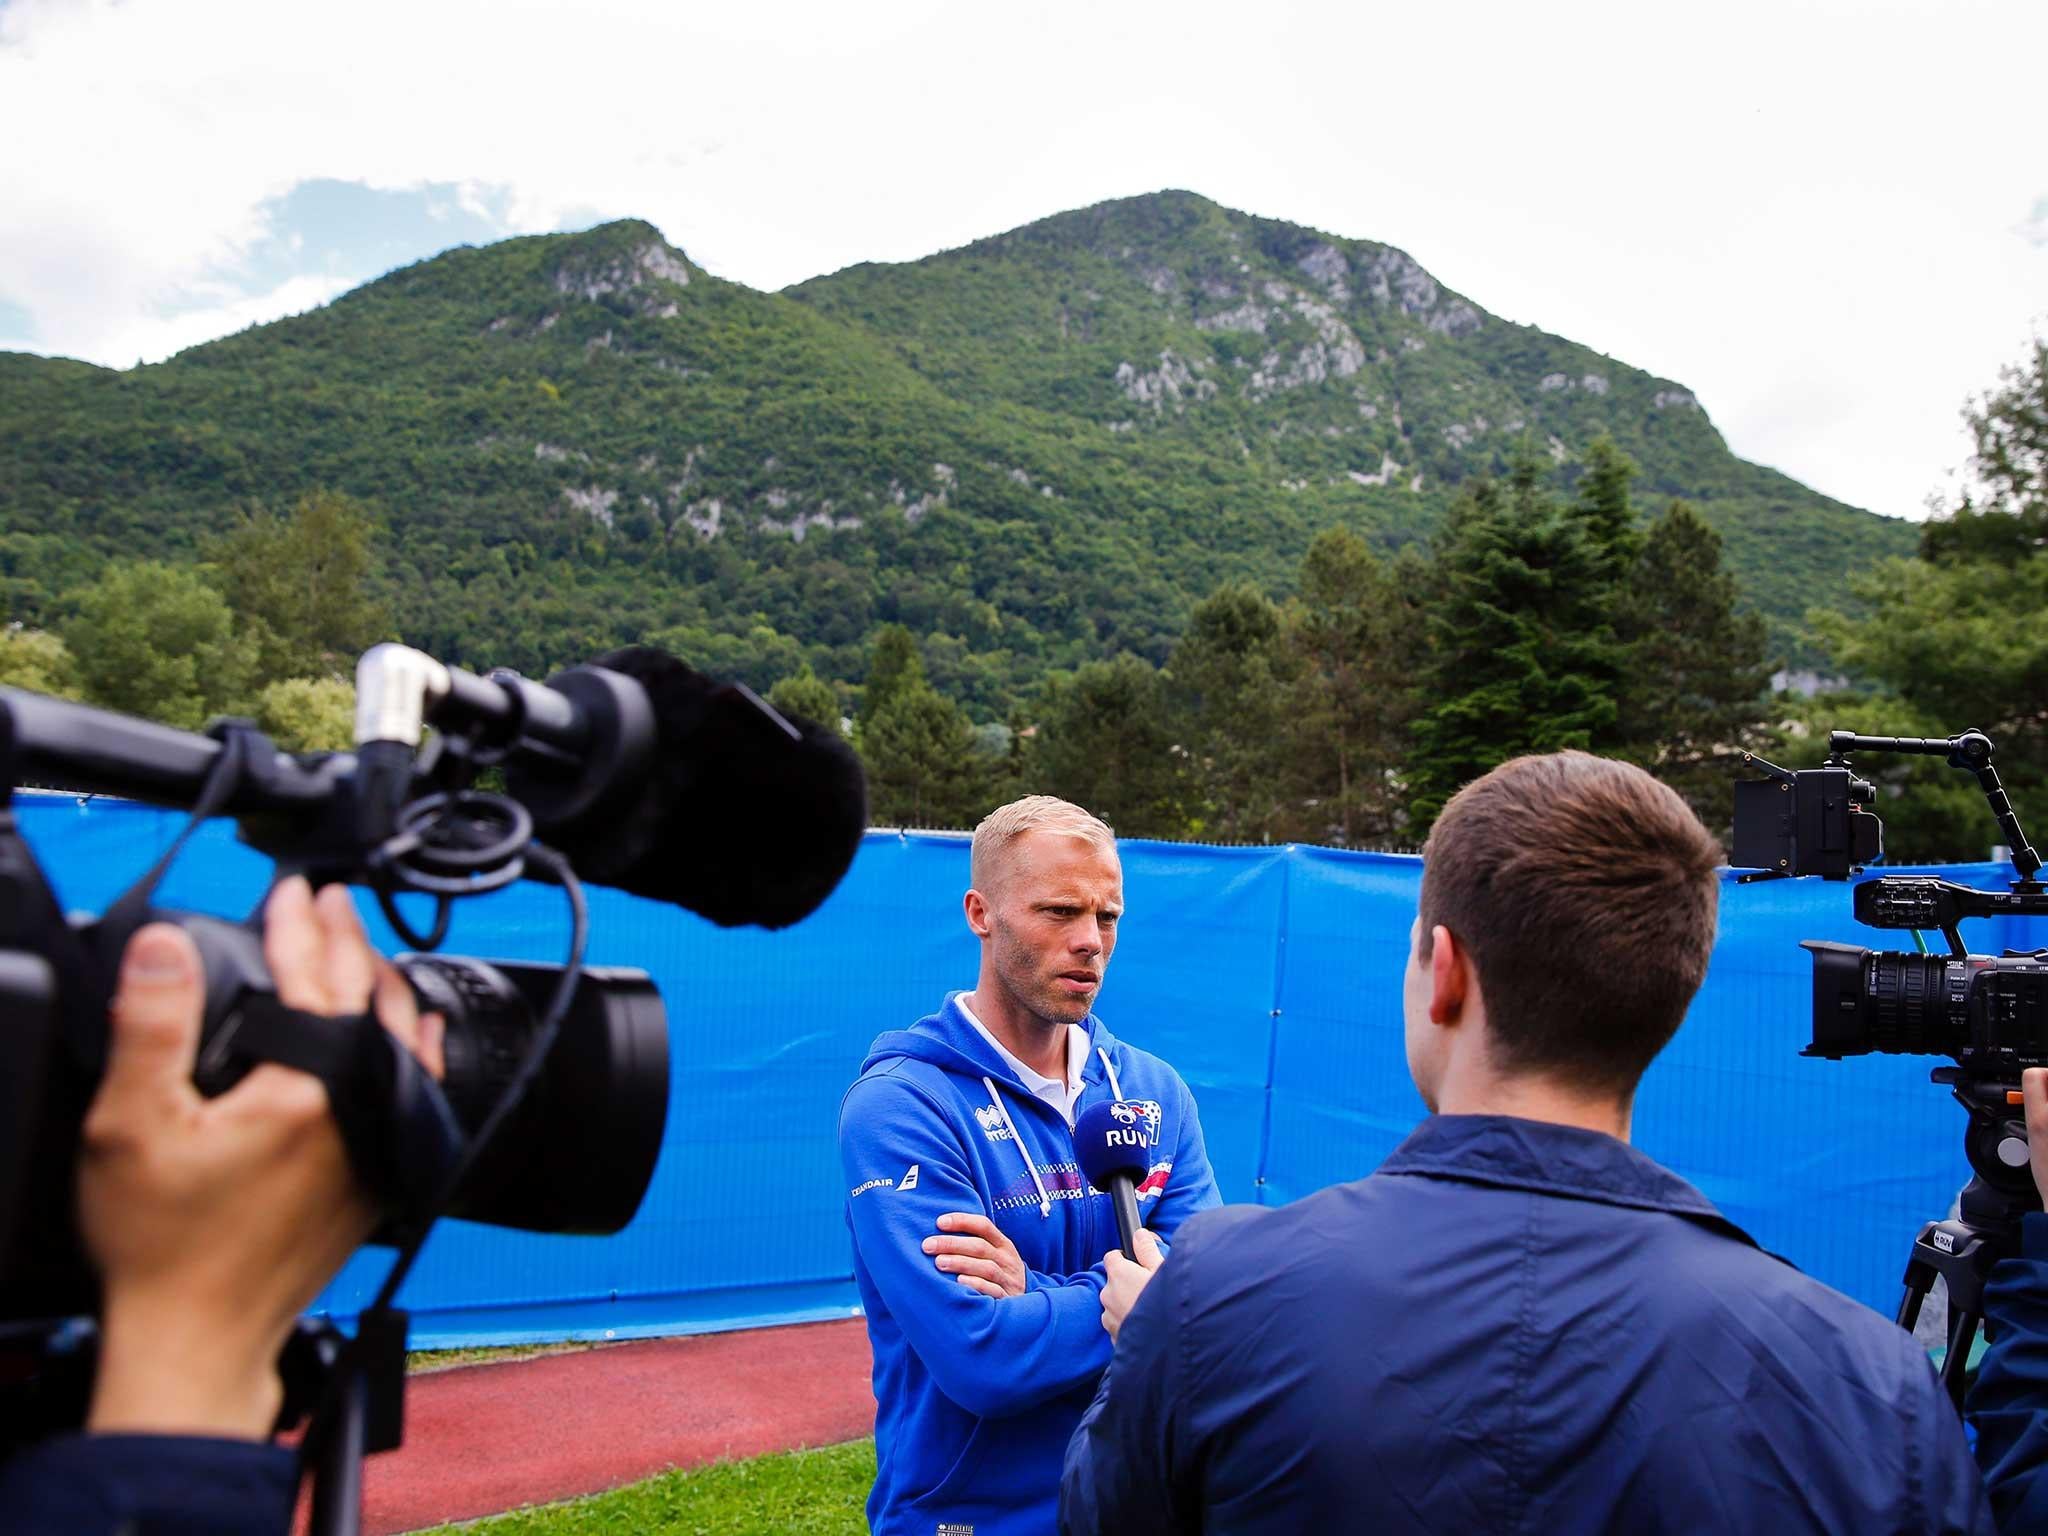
x: 1060, y: 1095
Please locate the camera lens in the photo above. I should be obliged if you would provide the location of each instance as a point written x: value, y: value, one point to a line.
x: 1868, y: 1000
x: 1908, y: 1004
x: 578, y: 1152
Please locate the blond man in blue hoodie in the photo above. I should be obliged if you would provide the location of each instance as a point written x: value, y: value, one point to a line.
x: 977, y: 1243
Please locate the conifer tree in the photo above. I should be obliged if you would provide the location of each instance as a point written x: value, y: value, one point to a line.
x: 1693, y: 693
x: 1232, y: 673
x: 1106, y: 740
x: 1522, y: 656
x: 922, y: 764
x: 893, y: 663
x: 1356, y: 638
x: 1602, y: 506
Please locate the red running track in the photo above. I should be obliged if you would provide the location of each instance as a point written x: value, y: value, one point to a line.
x: 482, y: 1439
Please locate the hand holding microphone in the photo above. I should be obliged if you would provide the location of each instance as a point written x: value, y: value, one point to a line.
x: 1114, y: 1142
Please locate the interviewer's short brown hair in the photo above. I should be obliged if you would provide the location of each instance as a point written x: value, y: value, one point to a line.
x: 1586, y: 894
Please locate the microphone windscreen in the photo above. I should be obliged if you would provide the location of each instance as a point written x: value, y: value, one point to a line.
x: 1115, y: 1137
x: 745, y: 818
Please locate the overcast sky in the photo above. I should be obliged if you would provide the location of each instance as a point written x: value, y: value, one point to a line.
x: 1829, y: 220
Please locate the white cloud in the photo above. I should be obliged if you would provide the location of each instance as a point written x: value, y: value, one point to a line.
x: 150, y: 339
x: 2035, y: 229
x: 1799, y: 208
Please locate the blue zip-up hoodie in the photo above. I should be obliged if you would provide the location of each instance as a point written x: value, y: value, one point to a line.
x: 975, y: 1397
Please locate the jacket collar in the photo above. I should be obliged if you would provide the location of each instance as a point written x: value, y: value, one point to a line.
x: 1550, y: 1159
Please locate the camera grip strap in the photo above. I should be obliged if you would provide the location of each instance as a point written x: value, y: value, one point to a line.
x: 400, y: 1133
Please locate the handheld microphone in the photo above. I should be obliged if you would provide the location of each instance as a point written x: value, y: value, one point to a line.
x: 1113, y: 1143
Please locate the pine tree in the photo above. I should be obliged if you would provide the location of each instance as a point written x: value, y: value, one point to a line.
x: 922, y: 766
x: 1356, y: 639
x: 1106, y: 740
x: 1694, y: 693
x: 1232, y: 674
x: 893, y: 664
x: 1602, y: 507
x: 1522, y: 656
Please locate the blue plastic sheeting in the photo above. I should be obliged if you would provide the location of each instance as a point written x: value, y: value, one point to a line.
x: 1269, y: 976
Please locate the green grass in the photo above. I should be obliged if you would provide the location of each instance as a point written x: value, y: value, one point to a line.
x: 818, y: 1493
x: 420, y: 1360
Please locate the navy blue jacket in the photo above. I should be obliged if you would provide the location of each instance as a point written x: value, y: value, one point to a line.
x: 148, y: 1485
x: 1511, y: 1327
x: 2009, y: 1405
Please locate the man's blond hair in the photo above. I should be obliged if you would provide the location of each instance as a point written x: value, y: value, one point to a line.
x: 1034, y: 813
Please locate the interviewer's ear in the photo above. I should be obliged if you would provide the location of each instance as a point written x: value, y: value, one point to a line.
x: 1450, y: 976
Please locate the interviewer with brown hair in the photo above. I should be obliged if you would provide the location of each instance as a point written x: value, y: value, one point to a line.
x: 1519, y: 1323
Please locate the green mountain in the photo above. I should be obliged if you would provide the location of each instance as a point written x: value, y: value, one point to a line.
x: 1038, y: 449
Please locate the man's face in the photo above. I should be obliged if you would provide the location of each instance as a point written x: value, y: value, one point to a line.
x: 1052, y: 922
x: 1424, y: 1040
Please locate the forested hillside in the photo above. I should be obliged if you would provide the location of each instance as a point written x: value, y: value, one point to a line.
x: 1035, y: 452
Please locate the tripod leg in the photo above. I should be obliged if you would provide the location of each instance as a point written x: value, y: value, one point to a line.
x: 1909, y: 1304
x: 338, y: 1472
x: 1956, y: 1362
x: 1918, y: 1282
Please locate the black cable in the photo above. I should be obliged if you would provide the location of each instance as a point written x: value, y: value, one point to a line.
x: 444, y: 907
x: 536, y: 1055
x: 334, y: 1397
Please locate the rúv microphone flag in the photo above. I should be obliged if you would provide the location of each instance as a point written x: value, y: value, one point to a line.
x: 1113, y: 1143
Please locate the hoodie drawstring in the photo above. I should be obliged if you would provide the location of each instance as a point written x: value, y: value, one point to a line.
x: 996, y: 1099
x: 1115, y: 1087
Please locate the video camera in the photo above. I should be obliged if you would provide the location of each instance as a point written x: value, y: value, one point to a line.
x: 638, y: 772
x: 1989, y: 1013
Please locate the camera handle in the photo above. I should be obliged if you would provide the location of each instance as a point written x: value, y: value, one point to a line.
x: 1964, y: 1250
x: 1971, y: 752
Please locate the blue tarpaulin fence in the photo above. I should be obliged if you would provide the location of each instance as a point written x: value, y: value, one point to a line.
x: 1270, y: 977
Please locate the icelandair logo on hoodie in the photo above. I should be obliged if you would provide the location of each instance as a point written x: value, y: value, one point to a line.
x: 908, y: 1182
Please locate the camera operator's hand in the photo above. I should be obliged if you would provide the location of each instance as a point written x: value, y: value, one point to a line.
x: 215, y: 1222
x: 1127, y: 1280
x: 2034, y: 1088
x: 979, y: 1254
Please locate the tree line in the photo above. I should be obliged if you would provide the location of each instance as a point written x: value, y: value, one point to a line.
x: 1538, y: 616
x: 1533, y: 621
x: 267, y: 627
x: 1350, y: 711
